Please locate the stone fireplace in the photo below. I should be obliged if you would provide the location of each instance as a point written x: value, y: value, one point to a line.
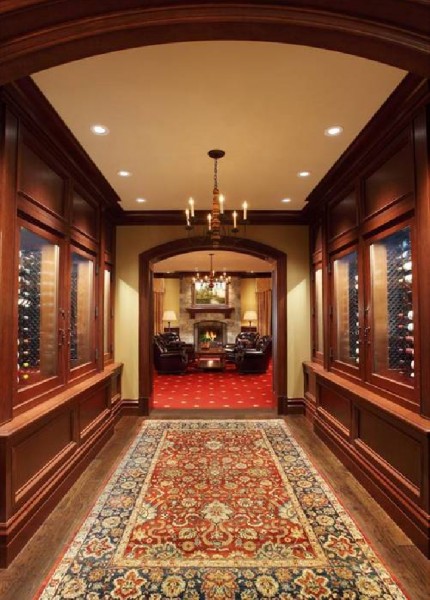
x: 212, y: 332
x: 230, y: 326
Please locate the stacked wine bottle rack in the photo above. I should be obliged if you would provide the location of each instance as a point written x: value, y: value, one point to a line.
x: 401, y: 316
x: 354, y: 348
x: 28, y: 315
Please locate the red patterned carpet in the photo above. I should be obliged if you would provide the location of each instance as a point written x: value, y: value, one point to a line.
x: 218, y: 510
x: 213, y: 389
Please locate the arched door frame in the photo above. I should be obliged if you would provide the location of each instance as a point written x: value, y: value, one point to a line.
x: 279, y: 302
x: 45, y: 33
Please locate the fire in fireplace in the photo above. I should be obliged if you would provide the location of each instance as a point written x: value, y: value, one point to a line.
x: 211, y: 334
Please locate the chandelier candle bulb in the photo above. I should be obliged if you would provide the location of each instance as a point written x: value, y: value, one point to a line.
x: 218, y: 225
x: 191, y: 203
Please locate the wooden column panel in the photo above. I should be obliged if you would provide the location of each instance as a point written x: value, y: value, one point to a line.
x: 8, y: 279
x: 422, y: 165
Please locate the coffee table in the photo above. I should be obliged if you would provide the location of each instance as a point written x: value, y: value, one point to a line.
x: 212, y: 358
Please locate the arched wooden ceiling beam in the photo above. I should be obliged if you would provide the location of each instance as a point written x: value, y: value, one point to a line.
x: 38, y: 34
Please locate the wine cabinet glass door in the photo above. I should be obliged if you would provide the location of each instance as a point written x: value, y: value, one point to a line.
x: 389, y: 332
x: 345, y: 302
x: 81, y: 310
x: 38, y: 311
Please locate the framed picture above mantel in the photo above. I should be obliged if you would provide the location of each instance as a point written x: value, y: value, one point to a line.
x: 205, y: 294
x: 209, y: 299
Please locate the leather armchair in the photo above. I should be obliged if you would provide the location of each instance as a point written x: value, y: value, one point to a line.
x: 254, y: 360
x: 172, y: 341
x: 168, y: 361
x: 245, y: 339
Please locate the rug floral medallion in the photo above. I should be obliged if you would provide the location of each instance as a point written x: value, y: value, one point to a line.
x: 218, y: 510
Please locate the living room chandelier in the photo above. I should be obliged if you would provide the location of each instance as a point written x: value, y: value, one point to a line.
x: 211, y: 279
x: 216, y: 219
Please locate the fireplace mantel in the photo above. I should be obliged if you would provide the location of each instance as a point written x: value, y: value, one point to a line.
x: 199, y: 310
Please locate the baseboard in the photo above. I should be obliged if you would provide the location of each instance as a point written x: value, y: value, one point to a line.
x: 289, y: 406
x: 130, y: 407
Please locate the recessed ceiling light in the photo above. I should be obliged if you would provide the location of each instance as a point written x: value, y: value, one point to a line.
x: 124, y: 173
x: 333, y: 131
x: 99, y: 129
x: 286, y: 200
x: 303, y: 174
x: 140, y: 200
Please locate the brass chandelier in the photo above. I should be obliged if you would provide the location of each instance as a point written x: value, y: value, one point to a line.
x: 217, y: 222
x: 211, y: 278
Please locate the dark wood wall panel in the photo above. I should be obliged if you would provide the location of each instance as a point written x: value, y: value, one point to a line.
x: 387, y: 448
x: 391, y: 181
x: 47, y: 451
x: 92, y: 406
x: 386, y: 440
x: 31, y: 454
x: 336, y: 405
x: 342, y: 216
x: 37, y: 180
x: 84, y: 216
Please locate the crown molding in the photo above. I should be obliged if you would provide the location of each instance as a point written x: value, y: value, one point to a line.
x: 176, y: 217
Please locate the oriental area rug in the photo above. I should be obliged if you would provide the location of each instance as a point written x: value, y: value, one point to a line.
x: 218, y: 510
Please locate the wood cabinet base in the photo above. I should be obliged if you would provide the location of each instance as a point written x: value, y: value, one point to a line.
x: 43, y: 452
x: 386, y: 447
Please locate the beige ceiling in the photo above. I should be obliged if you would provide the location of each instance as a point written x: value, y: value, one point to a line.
x: 265, y: 104
x: 222, y: 261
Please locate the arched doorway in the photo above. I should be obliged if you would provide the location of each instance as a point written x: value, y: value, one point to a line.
x: 45, y: 33
x: 180, y: 246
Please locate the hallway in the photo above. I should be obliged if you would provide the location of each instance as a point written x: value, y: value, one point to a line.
x: 34, y: 563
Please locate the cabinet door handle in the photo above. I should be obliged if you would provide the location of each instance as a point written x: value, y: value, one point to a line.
x: 61, y: 337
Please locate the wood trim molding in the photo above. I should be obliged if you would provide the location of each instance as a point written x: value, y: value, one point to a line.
x: 44, y: 33
x: 245, y: 246
x: 8, y: 281
x: 422, y: 158
x: 199, y: 310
